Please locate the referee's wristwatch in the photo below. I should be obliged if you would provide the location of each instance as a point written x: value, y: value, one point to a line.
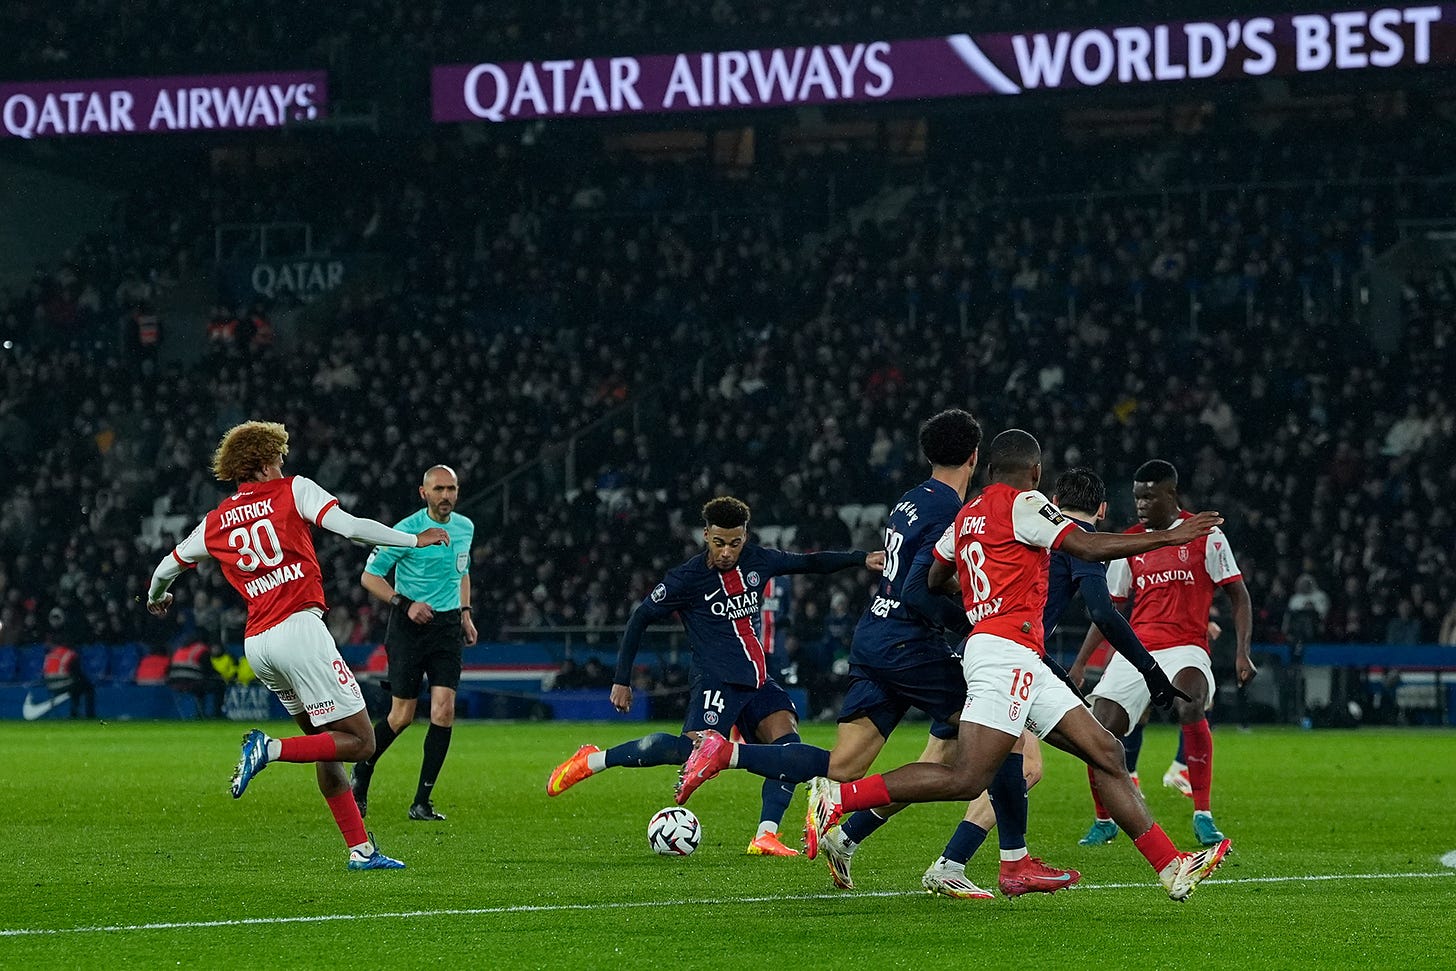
x: 400, y: 602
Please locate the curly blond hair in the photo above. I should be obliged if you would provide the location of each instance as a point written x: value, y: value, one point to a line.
x: 247, y: 449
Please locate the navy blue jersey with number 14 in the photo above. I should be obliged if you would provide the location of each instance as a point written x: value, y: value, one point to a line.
x: 905, y: 624
x: 720, y: 610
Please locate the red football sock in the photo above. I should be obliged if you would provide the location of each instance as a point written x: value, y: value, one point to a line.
x: 1198, y: 753
x: 1100, y: 809
x: 346, y: 815
x: 309, y: 748
x: 1156, y: 848
x: 867, y: 793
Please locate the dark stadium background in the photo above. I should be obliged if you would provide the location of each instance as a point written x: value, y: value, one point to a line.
x: 603, y: 323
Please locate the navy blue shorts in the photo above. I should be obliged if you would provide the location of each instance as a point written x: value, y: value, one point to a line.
x: 937, y: 688
x: 720, y: 706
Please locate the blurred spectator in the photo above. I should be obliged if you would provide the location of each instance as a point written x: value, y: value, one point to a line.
x: 196, y: 683
x: 595, y: 674
x: 1405, y: 626
x: 569, y: 677
x: 64, y: 675
x: 1306, y: 610
x: 1447, y: 637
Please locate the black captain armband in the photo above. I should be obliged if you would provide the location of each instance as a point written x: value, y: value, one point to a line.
x: 400, y: 601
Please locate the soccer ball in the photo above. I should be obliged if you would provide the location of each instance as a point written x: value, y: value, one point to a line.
x: 674, y: 831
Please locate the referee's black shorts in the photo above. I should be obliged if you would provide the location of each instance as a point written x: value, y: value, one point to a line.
x: 417, y: 650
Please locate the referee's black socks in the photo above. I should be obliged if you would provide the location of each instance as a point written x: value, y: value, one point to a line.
x: 437, y: 743
x: 384, y: 737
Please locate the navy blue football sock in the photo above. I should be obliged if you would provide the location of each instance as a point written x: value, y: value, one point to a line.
x: 793, y: 762
x: 1132, y: 744
x: 776, y: 798
x: 964, y: 844
x: 777, y: 795
x: 1008, y: 798
x: 659, y: 748
x: 858, y: 827
x: 1179, y: 758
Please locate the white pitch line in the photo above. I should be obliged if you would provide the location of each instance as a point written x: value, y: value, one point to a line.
x: 846, y: 897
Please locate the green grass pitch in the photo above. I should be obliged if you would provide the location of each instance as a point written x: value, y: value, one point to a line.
x: 124, y: 849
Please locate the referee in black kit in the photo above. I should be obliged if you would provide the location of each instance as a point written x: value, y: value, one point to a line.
x: 428, y: 626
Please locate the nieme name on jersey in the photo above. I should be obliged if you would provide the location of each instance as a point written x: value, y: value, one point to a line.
x: 973, y: 524
x: 286, y: 573
x: 245, y: 512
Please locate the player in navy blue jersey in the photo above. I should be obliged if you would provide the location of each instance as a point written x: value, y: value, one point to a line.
x: 718, y: 595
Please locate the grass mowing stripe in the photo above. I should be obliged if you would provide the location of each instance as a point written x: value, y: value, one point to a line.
x: 626, y: 905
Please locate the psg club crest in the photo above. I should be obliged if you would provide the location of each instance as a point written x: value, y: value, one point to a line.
x: 710, y: 717
x: 752, y: 578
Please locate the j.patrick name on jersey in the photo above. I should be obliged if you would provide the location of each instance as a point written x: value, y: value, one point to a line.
x: 246, y: 512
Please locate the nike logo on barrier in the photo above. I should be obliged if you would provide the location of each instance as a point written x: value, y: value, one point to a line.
x: 32, y: 710
x: 710, y: 596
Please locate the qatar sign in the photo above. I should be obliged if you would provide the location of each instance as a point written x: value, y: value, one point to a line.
x: 123, y: 106
x: 959, y: 65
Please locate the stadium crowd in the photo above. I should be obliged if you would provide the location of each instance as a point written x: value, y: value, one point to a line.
x: 1138, y: 320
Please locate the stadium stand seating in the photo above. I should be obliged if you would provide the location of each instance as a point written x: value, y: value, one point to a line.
x: 1193, y: 296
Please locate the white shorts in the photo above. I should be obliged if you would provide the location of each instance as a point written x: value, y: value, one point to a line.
x: 1122, y: 683
x: 1009, y: 688
x: 298, y: 662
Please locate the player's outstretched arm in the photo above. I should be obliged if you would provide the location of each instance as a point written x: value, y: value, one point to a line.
x: 1077, y: 673
x: 826, y: 561
x: 318, y: 506
x: 1238, y: 595
x: 935, y: 607
x: 335, y: 520
x: 1107, y: 619
x: 658, y: 604
x: 1113, y: 546
x: 942, y: 578
x: 183, y: 558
